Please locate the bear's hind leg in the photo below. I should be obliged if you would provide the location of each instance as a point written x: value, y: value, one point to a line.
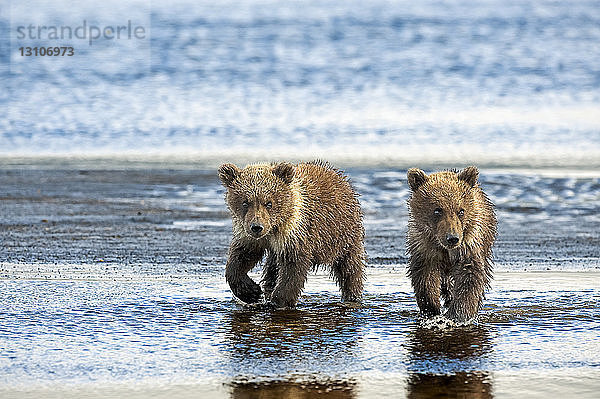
x: 349, y: 273
x: 426, y: 281
x: 293, y: 271
x: 269, y: 279
x: 470, y: 281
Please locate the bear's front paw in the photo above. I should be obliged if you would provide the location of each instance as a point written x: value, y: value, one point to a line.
x: 247, y: 292
x: 351, y: 298
x: 267, y: 294
x: 460, y: 316
x: 279, y: 302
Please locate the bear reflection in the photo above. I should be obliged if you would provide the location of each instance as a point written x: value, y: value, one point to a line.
x: 293, y: 345
x: 294, y: 390
x: 325, y: 332
x: 462, y: 346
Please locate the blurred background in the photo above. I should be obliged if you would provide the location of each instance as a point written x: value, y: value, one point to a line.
x: 429, y: 83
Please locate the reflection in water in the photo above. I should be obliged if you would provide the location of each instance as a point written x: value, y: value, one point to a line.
x: 460, y: 385
x: 274, y: 353
x: 432, y: 348
x: 294, y: 390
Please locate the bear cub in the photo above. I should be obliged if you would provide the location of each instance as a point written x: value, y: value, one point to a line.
x: 451, y: 230
x: 299, y: 216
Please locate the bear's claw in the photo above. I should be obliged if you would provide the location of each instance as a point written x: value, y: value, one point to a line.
x: 247, y: 292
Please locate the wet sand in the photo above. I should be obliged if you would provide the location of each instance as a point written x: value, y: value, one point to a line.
x: 112, y: 285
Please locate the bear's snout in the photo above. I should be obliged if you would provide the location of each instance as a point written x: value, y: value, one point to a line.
x: 256, y: 221
x: 452, y: 239
x: 449, y: 232
x: 256, y: 228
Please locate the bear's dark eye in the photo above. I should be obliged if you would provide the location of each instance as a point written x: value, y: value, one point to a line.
x: 461, y: 213
x: 269, y: 205
x: 437, y: 212
x: 245, y: 204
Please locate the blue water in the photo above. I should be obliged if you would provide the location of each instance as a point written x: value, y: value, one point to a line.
x: 494, y: 83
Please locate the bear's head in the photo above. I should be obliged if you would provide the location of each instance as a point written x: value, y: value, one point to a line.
x: 443, y: 204
x: 260, y: 197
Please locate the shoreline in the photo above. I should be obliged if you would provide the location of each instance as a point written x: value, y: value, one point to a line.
x: 575, y: 167
x: 397, y: 271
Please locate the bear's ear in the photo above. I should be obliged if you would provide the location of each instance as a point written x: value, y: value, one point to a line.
x: 285, y: 171
x: 416, y: 178
x: 469, y: 175
x: 228, y: 172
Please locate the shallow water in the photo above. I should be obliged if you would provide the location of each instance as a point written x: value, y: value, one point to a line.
x: 65, y: 335
x: 112, y: 284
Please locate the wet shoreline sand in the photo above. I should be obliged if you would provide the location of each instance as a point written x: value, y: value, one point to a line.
x: 112, y: 285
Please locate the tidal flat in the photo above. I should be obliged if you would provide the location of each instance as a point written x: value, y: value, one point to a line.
x: 112, y: 285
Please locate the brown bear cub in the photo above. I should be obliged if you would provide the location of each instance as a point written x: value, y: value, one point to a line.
x: 300, y: 216
x: 451, y: 229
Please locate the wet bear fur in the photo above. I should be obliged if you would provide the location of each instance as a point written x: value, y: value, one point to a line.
x: 451, y: 230
x: 299, y: 216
